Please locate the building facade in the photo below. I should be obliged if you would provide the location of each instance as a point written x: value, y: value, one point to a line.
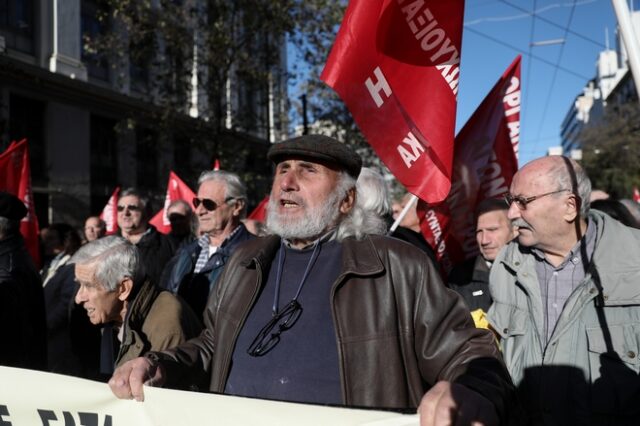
x: 612, y: 85
x: 93, y: 124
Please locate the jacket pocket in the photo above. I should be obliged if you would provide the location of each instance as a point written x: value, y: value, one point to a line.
x: 614, y: 365
x: 511, y: 325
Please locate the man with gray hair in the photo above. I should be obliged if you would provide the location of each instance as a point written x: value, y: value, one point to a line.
x: 566, y: 301
x: 220, y: 205
x: 320, y: 311
x: 137, y: 316
x: 23, y: 331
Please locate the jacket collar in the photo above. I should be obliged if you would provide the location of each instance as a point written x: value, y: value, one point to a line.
x: 359, y: 257
x: 614, y: 263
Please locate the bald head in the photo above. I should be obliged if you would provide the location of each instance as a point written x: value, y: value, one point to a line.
x: 547, y: 205
x: 557, y: 172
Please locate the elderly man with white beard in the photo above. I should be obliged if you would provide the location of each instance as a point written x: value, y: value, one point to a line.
x: 320, y: 311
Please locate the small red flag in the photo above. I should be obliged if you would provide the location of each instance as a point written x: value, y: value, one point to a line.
x: 110, y: 213
x: 216, y: 164
x: 395, y: 64
x: 636, y: 194
x: 260, y: 212
x: 484, y: 164
x: 176, y: 190
x: 15, y: 178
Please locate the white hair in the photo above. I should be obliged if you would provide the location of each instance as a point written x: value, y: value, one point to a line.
x: 115, y: 259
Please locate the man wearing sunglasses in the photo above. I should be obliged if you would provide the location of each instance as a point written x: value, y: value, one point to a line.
x: 566, y: 303
x: 133, y: 217
x: 220, y: 205
x: 322, y: 312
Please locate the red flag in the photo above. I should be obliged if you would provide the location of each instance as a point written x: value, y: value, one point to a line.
x: 484, y: 164
x: 395, y: 64
x: 636, y: 194
x: 216, y: 164
x: 110, y: 213
x: 260, y: 212
x: 176, y: 190
x: 15, y: 178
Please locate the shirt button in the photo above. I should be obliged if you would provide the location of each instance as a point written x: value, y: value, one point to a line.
x: 575, y: 260
x: 505, y: 331
x: 605, y: 297
x: 631, y: 354
x: 592, y: 290
x: 555, y: 273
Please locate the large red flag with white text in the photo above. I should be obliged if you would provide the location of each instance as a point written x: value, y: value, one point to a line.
x: 395, y: 64
x: 15, y: 178
x: 110, y: 213
x: 483, y: 166
x: 176, y: 190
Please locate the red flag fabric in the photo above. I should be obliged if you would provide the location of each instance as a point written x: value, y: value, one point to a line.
x: 110, y: 213
x: 15, y: 178
x: 395, y: 64
x: 176, y: 190
x: 260, y: 212
x: 484, y: 164
x: 636, y: 194
x: 216, y: 164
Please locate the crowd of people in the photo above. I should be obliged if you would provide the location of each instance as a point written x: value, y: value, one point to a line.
x: 325, y: 306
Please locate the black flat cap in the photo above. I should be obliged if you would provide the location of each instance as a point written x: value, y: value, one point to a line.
x: 11, y: 207
x: 319, y: 148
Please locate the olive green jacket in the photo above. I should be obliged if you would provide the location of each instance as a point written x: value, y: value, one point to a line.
x: 588, y: 371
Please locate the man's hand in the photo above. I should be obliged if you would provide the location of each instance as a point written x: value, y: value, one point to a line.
x: 453, y: 404
x: 128, y: 379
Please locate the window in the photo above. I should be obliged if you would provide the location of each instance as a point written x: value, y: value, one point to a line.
x: 16, y: 24
x: 92, y: 27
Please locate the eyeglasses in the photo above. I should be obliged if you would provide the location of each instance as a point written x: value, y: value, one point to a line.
x: 269, y: 336
x: 208, y: 203
x: 130, y: 207
x: 521, y: 202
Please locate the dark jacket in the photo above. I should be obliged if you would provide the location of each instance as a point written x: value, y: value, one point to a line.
x: 195, y: 288
x: 471, y: 280
x: 23, y: 332
x: 156, y: 250
x: 398, y: 329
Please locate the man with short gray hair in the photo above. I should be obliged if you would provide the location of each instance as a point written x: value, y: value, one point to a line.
x: 137, y: 316
x: 566, y: 301
x: 220, y: 205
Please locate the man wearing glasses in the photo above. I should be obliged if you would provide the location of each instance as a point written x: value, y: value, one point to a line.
x: 321, y: 312
x: 567, y: 301
x: 134, y: 212
x: 219, y: 206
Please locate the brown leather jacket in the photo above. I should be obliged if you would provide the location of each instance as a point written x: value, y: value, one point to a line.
x: 398, y: 329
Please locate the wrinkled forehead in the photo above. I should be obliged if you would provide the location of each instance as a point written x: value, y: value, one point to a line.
x: 86, y: 272
x: 129, y: 200
x: 288, y: 161
x: 531, y: 179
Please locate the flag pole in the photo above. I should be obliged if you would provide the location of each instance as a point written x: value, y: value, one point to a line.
x: 403, y: 213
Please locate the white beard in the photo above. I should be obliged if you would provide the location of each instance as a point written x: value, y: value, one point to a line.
x: 311, y: 224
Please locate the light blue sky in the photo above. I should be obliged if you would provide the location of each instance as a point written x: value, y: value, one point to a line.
x: 497, y: 30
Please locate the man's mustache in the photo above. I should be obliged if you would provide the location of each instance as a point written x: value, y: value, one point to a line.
x: 521, y: 223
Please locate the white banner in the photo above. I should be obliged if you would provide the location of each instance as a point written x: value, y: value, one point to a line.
x: 31, y: 398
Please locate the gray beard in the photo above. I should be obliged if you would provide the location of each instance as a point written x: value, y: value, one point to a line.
x: 311, y: 224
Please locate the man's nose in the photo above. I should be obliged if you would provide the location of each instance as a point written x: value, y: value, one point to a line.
x: 80, y: 296
x: 513, y: 212
x: 289, y: 182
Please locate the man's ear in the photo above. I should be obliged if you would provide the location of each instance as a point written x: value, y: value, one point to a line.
x: 348, y: 201
x: 124, y: 288
x: 238, y: 206
x: 572, y: 208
